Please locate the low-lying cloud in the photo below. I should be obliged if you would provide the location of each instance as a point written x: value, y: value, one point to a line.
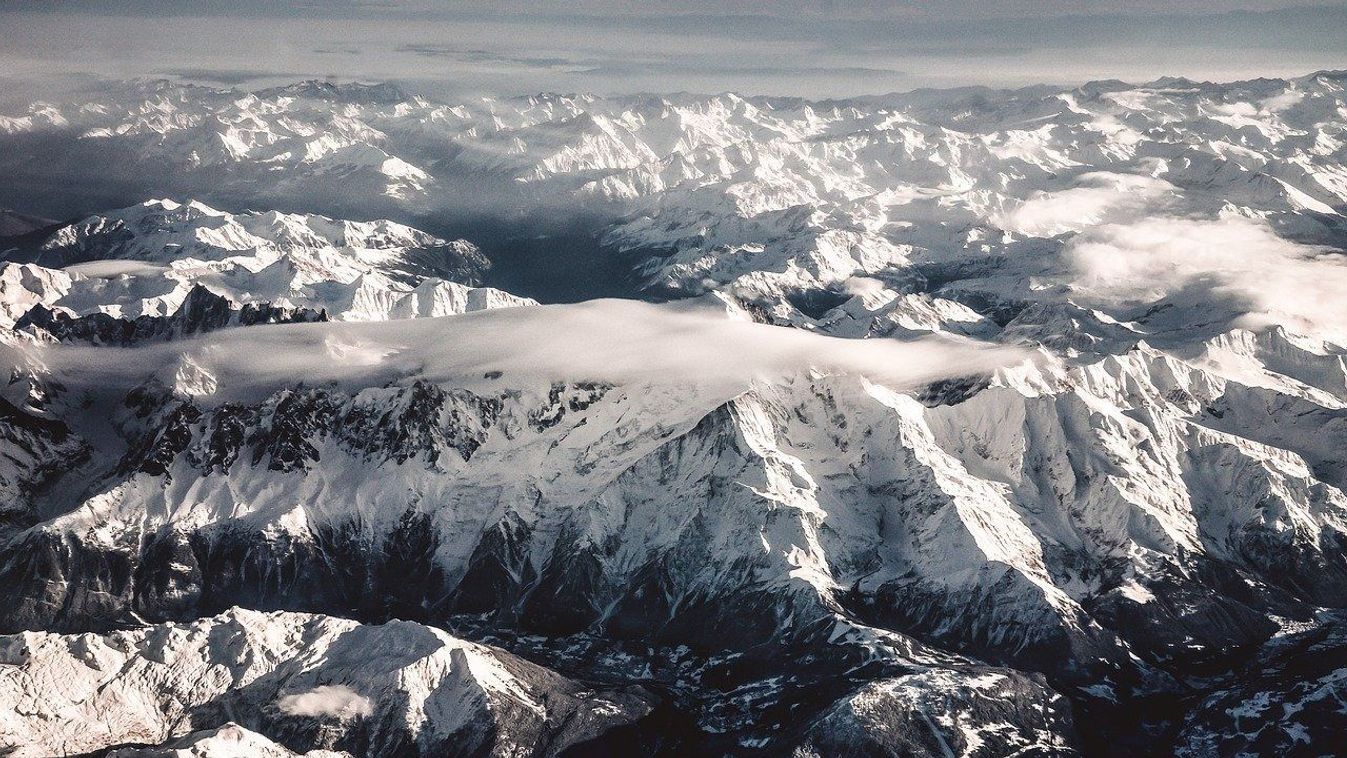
x: 1137, y: 240
x: 1233, y: 261
x: 863, y: 285
x: 1098, y: 197
x: 692, y: 344
x: 327, y: 701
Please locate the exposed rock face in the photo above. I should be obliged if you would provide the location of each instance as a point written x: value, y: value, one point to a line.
x: 37, y: 451
x: 757, y: 528
x: 1286, y: 701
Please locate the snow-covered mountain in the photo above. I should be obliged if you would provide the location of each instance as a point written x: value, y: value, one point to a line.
x: 147, y: 260
x: 328, y: 683
x: 984, y: 423
x: 771, y: 196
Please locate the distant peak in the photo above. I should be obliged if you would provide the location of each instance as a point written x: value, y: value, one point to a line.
x: 347, y: 92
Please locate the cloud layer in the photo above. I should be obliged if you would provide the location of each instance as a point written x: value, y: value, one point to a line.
x: 1231, y: 262
x: 620, y: 341
x: 1098, y: 197
x: 814, y: 49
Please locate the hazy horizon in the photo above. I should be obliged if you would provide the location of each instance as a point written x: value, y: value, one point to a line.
x: 808, y: 49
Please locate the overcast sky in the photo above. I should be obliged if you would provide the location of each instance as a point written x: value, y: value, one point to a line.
x: 814, y: 48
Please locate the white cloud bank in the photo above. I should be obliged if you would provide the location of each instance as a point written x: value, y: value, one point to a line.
x: 1098, y: 197
x: 1233, y: 261
x: 688, y: 344
x: 327, y: 701
x: 1132, y: 247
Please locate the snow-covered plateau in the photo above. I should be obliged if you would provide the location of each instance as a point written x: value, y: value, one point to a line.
x: 956, y: 422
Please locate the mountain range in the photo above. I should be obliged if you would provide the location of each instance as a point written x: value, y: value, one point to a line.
x: 954, y: 422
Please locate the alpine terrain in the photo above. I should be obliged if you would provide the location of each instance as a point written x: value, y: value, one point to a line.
x: 341, y: 420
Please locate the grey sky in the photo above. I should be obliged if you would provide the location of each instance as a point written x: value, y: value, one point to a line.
x: 814, y: 48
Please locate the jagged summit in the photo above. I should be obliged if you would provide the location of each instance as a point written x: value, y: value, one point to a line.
x: 164, y: 231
